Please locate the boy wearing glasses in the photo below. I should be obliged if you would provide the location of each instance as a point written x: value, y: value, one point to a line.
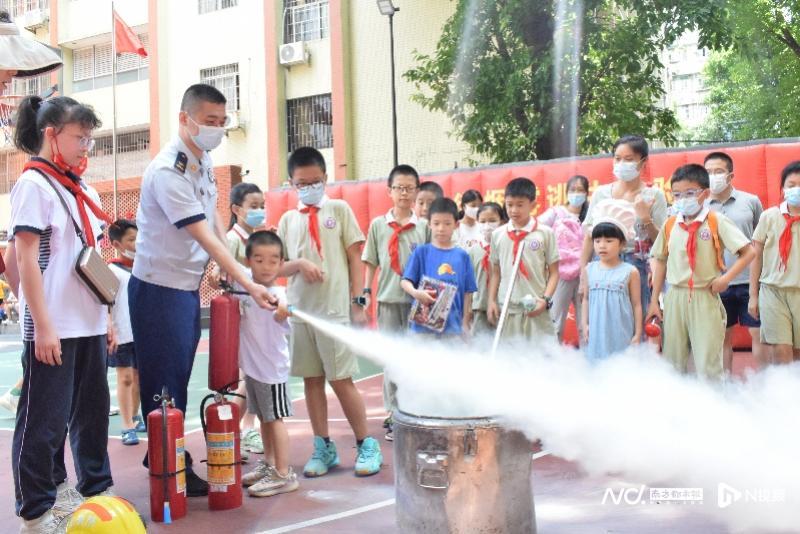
x: 689, y: 254
x: 390, y: 241
x: 325, y: 232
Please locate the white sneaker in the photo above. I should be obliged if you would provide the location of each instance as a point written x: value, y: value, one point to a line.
x: 67, y: 501
x: 9, y: 401
x: 262, y: 470
x: 269, y: 486
x: 47, y: 523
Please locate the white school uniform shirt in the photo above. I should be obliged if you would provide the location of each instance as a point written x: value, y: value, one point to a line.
x: 120, y: 314
x: 263, y: 345
x: 469, y: 236
x: 177, y: 190
x: 73, y: 309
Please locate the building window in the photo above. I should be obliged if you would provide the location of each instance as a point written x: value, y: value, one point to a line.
x: 91, y: 66
x: 226, y: 79
x: 305, y: 20
x: 208, y: 6
x: 37, y: 85
x: 18, y: 8
x: 133, y: 155
x: 310, y: 122
x: 138, y: 141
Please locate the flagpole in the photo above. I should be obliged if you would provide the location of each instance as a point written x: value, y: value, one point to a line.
x: 114, y: 103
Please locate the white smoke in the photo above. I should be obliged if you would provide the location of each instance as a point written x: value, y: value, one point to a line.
x: 630, y: 414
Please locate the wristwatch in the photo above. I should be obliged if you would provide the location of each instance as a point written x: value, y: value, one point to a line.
x: 548, y: 302
x: 366, y: 291
x: 360, y: 301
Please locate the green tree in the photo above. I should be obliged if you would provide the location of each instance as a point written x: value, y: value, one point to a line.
x: 754, y: 85
x: 538, y: 79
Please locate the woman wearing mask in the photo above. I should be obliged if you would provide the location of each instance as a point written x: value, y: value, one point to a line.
x: 649, y: 204
x: 468, y: 232
x: 566, y: 224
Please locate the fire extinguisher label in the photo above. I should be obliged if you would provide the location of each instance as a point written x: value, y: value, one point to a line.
x: 180, y: 466
x: 221, y: 458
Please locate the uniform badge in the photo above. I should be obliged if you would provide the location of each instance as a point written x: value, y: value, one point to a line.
x: 535, y: 245
x: 705, y: 234
x: 330, y: 223
x: 193, y: 167
x: 180, y: 162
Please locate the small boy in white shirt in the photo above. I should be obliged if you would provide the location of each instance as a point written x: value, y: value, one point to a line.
x: 264, y: 358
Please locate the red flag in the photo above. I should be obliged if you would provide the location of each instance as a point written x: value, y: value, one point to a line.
x: 126, y: 39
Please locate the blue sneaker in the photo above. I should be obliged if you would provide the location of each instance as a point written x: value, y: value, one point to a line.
x: 140, y: 428
x: 323, y: 458
x: 129, y: 437
x: 369, y: 459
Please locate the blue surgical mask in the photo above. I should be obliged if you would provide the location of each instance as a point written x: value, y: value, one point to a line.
x: 792, y: 195
x: 688, y: 207
x: 576, y: 199
x: 626, y: 170
x: 310, y: 195
x: 255, y: 218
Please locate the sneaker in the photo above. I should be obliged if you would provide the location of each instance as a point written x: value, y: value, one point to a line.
x: 323, y: 458
x: 368, y: 461
x: 252, y: 441
x: 389, y: 436
x: 195, y: 486
x: 262, y: 470
x: 269, y: 486
x: 47, y: 523
x: 129, y: 437
x: 67, y: 501
x: 114, y: 410
x: 388, y: 424
x: 10, y: 400
x: 139, y: 428
x: 243, y: 454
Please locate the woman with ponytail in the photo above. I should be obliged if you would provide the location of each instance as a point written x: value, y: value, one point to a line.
x: 65, y: 326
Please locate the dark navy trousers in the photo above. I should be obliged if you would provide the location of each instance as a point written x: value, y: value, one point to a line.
x: 72, y: 396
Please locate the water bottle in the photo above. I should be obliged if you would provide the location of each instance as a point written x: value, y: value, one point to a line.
x: 529, y: 303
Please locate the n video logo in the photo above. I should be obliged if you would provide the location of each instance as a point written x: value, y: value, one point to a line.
x: 727, y: 495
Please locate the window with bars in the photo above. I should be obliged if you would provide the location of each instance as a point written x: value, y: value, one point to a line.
x: 226, y: 79
x: 208, y: 6
x: 310, y: 122
x: 91, y: 66
x: 137, y: 141
x: 31, y: 86
x: 18, y: 8
x: 305, y: 20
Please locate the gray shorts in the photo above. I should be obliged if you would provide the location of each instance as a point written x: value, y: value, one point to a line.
x: 269, y: 402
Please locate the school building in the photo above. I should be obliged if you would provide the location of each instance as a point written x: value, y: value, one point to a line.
x: 295, y: 72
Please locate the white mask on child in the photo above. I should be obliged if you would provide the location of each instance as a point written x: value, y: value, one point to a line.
x: 471, y: 212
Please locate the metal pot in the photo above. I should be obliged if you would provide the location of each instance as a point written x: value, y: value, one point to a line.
x: 460, y: 475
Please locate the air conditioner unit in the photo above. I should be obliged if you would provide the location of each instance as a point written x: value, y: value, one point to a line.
x: 35, y: 19
x: 294, y: 54
x: 233, y: 122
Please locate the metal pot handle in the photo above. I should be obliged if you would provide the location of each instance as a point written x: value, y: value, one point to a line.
x: 432, y: 470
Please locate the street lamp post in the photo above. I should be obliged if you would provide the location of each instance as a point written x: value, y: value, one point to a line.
x: 387, y: 8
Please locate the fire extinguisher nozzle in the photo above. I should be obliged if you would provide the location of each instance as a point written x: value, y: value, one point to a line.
x: 167, y: 514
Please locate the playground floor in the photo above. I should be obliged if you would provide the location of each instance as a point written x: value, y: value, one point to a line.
x: 567, y: 500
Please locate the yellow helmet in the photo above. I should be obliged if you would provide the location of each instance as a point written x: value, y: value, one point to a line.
x: 105, y: 515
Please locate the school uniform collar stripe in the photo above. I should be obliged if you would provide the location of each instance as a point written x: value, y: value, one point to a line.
x: 784, y: 207
x: 244, y: 234
x: 325, y: 198
x: 390, y: 218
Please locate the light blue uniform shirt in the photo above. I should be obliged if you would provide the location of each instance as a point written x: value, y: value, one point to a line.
x: 177, y: 190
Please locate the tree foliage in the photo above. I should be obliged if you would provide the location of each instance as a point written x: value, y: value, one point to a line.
x: 494, y: 72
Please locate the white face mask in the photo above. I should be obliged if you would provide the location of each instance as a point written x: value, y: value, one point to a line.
x: 626, y: 170
x: 486, y: 229
x: 208, y: 137
x: 471, y: 212
x: 130, y: 254
x: 792, y: 196
x: 310, y: 195
x: 688, y: 207
x: 718, y: 182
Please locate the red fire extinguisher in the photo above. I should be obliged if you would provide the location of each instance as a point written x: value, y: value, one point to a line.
x: 167, y: 460
x: 221, y: 427
x: 223, y: 352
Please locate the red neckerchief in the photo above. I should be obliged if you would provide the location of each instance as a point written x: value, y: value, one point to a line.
x: 123, y: 261
x: 394, y: 244
x: 518, y: 237
x: 691, y: 247
x: 785, y: 243
x: 485, y: 262
x: 73, y: 185
x: 313, y: 226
